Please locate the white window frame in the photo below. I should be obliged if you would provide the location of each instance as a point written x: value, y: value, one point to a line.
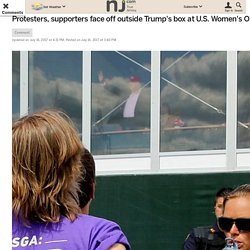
x: 231, y: 159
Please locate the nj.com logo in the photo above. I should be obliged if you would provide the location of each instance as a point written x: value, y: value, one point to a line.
x: 112, y: 5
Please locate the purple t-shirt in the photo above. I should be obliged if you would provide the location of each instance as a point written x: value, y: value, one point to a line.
x: 85, y: 233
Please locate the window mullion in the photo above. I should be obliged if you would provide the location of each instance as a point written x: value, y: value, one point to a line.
x: 155, y: 111
x: 24, y: 83
x: 231, y: 113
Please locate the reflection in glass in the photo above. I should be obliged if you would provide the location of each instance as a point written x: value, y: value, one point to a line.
x: 243, y: 99
x: 55, y: 81
x: 15, y: 85
x: 120, y: 102
x: 193, y: 100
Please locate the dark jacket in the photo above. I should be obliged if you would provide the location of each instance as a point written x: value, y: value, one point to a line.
x: 205, y: 238
x: 141, y: 119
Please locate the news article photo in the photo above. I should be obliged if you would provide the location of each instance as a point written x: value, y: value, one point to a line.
x: 154, y: 121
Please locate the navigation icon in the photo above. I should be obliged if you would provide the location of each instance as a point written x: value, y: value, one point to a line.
x: 228, y: 6
x: 5, y: 6
x: 238, y: 4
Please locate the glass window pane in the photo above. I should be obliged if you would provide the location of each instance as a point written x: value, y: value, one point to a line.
x: 15, y: 85
x: 120, y: 102
x: 55, y: 81
x: 243, y: 99
x: 193, y: 100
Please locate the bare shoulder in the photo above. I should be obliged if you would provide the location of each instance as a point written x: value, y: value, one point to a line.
x: 118, y: 246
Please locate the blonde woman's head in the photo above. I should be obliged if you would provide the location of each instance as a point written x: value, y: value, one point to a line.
x: 46, y: 167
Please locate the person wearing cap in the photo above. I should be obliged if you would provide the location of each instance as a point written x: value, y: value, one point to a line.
x: 136, y: 108
x: 135, y: 87
x: 132, y: 110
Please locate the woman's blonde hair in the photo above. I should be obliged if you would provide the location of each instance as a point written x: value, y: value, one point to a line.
x: 46, y: 167
x: 240, y: 191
